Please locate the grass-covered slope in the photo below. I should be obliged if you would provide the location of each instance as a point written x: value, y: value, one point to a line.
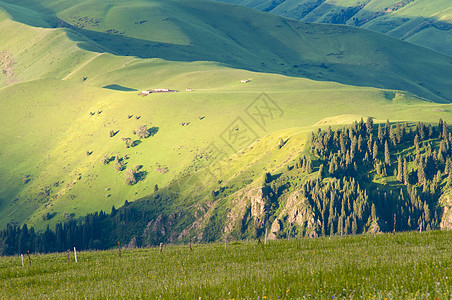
x: 406, y: 265
x: 423, y: 22
x: 243, y: 38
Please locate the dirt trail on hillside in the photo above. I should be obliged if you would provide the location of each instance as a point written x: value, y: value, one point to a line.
x: 82, y: 66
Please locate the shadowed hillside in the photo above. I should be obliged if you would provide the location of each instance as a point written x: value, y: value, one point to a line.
x: 423, y: 22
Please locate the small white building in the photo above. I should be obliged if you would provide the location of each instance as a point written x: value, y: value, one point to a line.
x: 245, y: 81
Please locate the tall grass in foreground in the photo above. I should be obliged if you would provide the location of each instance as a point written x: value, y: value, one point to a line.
x: 405, y: 265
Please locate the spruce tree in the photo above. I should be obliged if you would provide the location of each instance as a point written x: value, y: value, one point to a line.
x: 416, y: 145
x: 321, y: 172
x: 354, y: 226
x: 399, y: 169
x: 440, y: 128
x: 373, y: 212
x: 380, y: 134
x: 369, y: 125
x: 398, y: 133
x: 375, y: 151
x: 387, y: 126
x: 421, y: 173
x: 387, y: 155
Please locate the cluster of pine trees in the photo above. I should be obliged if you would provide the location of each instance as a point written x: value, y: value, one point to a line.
x: 99, y: 230
x: 401, y: 169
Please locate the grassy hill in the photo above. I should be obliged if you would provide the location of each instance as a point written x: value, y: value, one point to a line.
x: 72, y: 72
x: 422, y: 22
x: 210, y: 31
x: 407, y: 265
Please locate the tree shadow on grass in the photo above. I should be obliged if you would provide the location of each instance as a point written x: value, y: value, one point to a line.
x: 135, y: 143
x: 153, y: 130
x: 117, y: 87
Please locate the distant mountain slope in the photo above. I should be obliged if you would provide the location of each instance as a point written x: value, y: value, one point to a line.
x: 241, y: 38
x: 427, y: 23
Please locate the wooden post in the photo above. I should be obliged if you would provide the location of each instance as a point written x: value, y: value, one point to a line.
x: 29, y: 259
x: 119, y: 249
x: 161, y: 248
x: 189, y: 242
x: 67, y: 255
x: 265, y: 241
x: 75, y: 255
x: 22, y: 256
x: 393, y: 231
x: 225, y: 242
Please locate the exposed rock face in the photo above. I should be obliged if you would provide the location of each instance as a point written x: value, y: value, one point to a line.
x: 249, y: 206
x: 446, y: 202
x: 259, y: 206
x: 162, y: 228
x: 132, y: 244
x: 297, y: 211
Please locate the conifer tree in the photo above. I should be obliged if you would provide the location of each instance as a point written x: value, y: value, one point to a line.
x: 354, y: 226
x: 375, y: 151
x: 342, y: 144
x: 440, y: 128
x: 416, y: 145
x: 369, y: 125
x: 398, y: 133
x: 399, y: 169
x: 405, y: 172
x: 373, y: 212
x: 392, y: 137
x: 421, y: 173
x: 380, y: 134
x: 321, y: 172
x: 387, y: 155
x: 387, y: 126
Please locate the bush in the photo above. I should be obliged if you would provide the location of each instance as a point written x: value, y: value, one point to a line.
x: 130, y: 177
x: 143, y: 132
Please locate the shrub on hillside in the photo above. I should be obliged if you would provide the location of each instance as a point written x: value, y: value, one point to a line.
x: 143, y: 132
x: 130, y: 176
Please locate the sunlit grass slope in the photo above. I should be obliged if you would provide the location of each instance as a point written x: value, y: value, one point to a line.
x: 51, y: 139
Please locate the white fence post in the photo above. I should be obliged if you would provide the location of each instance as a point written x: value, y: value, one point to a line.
x: 75, y: 254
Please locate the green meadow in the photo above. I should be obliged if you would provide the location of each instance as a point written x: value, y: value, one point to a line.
x: 385, y: 266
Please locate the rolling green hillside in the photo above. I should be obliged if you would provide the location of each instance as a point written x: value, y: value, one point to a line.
x: 210, y: 31
x: 72, y: 71
x: 423, y: 22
